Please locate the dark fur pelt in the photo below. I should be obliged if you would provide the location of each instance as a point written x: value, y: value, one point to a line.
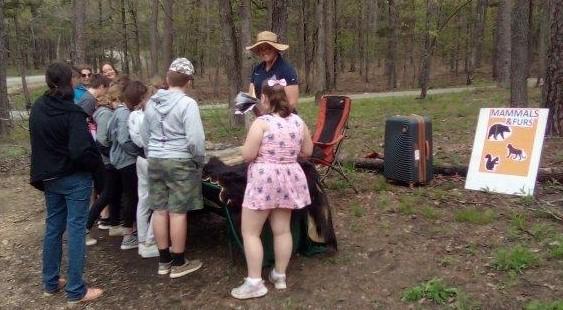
x: 233, y: 181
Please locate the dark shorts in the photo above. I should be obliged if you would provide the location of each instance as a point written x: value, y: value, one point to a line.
x: 174, y: 185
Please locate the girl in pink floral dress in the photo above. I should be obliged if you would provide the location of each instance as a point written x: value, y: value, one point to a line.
x: 276, y: 184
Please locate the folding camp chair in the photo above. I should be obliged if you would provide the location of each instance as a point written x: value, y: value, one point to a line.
x: 332, y: 122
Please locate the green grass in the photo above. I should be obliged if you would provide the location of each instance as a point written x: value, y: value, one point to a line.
x: 383, y: 201
x: 380, y: 184
x: 357, y: 209
x: 518, y: 224
x: 429, y: 213
x: 475, y: 216
x: 17, y: 101
x: 434, y: 290
x: 407, y: 205
x: 515, y: 259
x: 218, y: 129
x: 542, y: 231
x: 556, y: 250
x: 542, y: 305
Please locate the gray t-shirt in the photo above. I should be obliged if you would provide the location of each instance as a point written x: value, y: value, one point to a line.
x: 88, y: 103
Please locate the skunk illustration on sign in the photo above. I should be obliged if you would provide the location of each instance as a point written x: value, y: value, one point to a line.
x: 499, y: 130
x: 491, y: 162
x: 517, y: 153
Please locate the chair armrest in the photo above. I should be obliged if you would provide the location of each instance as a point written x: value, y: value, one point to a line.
x: 333, y: 142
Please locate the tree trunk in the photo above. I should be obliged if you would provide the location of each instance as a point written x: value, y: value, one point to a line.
x: 5, y: 125
x: 392, y: 41
x: 79, y: 20
x: 552, y: 94
x: 302, y: 37
x: 320, y: 55
x: 137, y: 66
x: 519, y: 54
x: 168, y: 40
x: 308, y: 45
x: 20, y: 54
x: 330, y: 44
x: 531, y: 36
x: 477, y: 38
x: 153, y: 37
x: 124, y: 39
x: 377, y: 164
x: 36, y: 52
x: 502, y: 43
x: 245, y: 38
x: 363, y: 40
x: 429, y: 43
x: 279, y: 19
x: 232, y: 56
x: 542, y: 38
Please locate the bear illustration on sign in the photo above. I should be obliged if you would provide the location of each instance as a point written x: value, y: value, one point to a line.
x: 498, y: 130
x: 491, y: 162
x: 518, y: 154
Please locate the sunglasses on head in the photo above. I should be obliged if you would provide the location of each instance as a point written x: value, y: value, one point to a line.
x: 86, y: 74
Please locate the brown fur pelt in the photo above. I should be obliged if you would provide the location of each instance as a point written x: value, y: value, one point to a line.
x: 232, y: 179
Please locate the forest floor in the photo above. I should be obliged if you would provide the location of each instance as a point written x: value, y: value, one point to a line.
x: 490, y: 251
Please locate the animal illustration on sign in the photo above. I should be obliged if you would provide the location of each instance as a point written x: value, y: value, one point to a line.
x: 498, y: 129
x: 516, y: 152
x: 491, y: 162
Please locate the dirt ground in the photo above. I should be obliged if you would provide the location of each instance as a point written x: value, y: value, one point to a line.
x: 382, y: 251
x: 385, y: 246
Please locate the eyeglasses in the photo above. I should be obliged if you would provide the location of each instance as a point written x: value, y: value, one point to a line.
x: 86, y: 74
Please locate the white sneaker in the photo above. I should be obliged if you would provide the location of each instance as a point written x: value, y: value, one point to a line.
x: 277, y: 280
x: 90, y: 241
x: 148, y: 250
x: 129, y: 242
x: 247, y: 290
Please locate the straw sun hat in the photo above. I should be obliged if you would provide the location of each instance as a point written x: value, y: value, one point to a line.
x: 270, y: 38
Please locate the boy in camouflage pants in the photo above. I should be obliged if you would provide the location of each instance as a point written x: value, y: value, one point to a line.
x: 173, y: 133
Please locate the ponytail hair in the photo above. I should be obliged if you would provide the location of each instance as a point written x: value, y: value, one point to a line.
x: 274, y: 90
x: 59, y: 81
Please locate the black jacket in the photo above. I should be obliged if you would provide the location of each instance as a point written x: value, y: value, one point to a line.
x: 61, y: 144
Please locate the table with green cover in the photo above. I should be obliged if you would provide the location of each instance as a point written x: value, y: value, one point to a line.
x: 223, y: 191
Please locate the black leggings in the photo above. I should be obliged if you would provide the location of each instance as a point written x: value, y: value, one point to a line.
x: 110, y: 194
x: 128, y: 176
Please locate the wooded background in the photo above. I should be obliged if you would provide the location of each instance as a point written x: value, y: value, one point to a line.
x: 395, y: 43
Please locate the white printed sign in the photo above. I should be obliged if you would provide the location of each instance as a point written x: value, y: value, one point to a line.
x: 507, y: 150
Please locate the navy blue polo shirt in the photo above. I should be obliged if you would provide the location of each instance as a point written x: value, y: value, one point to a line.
x: 280, y: 70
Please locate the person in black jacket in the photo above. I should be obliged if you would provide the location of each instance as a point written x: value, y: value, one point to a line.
x: 64, y: 158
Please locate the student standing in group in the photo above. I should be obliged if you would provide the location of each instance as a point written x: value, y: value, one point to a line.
x: 109, y: 71
x: 63, y: 159
x: 173, y: 133
x: 111, y: 192
x: 145, y: 235
x: 276, y: 184
x: 123, y: 156
x: 88, y: 101
x: 82, y: 87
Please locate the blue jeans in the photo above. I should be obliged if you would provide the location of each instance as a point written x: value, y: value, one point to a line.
x: 67, y: 201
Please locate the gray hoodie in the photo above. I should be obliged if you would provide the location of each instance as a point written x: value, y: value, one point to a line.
x: 123, y: 151
x: 102, y: 116
x: 172, y: 127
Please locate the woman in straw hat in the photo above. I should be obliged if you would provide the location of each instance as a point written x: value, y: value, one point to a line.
x: 273, y: 66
